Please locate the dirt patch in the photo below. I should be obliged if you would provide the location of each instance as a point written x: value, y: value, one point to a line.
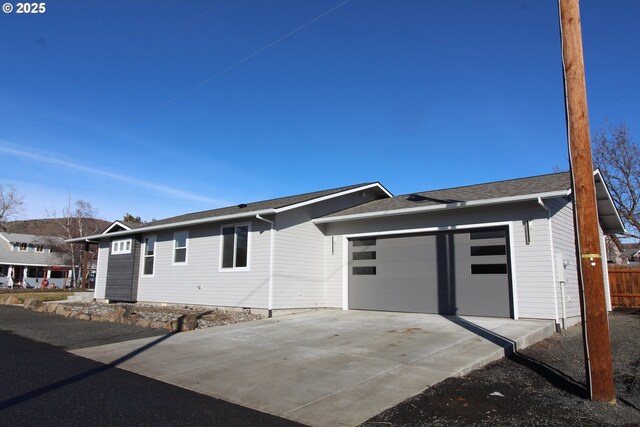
x: 541, y: 385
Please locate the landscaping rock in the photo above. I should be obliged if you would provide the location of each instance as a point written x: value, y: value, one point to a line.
x: 51, y: 308
x: 33, y: 304
x: 11, y: 300
x: 186, y: 322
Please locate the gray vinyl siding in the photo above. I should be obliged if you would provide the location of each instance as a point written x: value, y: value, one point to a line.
x: 201, y: 280
x: 333, y: 271
x: 533, y: 278
x: 101, y: 269
x: 301, y: 253
x: 122, y: 283
x: 564, y: 244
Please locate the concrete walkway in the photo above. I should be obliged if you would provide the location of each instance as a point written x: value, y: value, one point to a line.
x: 324, y: 368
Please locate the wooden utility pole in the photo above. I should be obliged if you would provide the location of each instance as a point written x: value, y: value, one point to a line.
x: 594, y: 311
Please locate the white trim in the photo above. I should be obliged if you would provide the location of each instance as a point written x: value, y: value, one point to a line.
x: 116, y: 223
x: 512, y: 257
x: 222, y: 269
x: 334, y: 195
x: 143, y: 255
x: 18, y: 244
x: 119, y: 251
x: 457, y: 205
x: 186, y: 248
x: 608, y: 194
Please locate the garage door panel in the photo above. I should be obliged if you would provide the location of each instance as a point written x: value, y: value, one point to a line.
x: 465, y: 273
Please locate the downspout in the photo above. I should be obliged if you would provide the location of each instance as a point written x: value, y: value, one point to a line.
x: 553, y: 263
x: 271, y: 245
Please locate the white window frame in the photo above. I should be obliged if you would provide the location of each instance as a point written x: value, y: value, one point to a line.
x: 121, y: 246
x: 39, y: 248
x: 143, y: 254
x: 185, y: 247
x: 235, y: 247
x: 19, y: 247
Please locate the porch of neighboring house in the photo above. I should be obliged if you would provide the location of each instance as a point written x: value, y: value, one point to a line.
x: 34, y: 277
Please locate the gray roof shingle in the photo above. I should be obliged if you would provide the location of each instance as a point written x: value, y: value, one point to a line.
x: 250, y: 207
x: 493, y: 190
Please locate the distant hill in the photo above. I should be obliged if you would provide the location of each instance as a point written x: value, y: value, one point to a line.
x: 48, y: 226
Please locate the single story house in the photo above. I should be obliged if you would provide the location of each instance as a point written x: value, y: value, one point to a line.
x: 501, y: 249
x: 26, y: 260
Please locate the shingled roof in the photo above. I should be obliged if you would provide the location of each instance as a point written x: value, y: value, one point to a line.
x: 461, y: 195
x: 252, y: 207
x: 264, y: 207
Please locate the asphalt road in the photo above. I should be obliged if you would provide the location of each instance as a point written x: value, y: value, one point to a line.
x: 42, y: 384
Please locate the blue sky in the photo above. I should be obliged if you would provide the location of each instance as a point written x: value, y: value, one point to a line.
x: 159, y: 108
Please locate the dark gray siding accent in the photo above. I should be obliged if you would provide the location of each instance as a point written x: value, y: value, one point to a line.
x: 123, y: 273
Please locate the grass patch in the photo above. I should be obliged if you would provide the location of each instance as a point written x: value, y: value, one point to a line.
x: 41, y: 294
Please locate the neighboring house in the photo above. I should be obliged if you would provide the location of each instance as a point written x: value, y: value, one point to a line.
x: 501, y: 249
x: 615, y: 250
x: 26, y: 260
x: 630, y: 254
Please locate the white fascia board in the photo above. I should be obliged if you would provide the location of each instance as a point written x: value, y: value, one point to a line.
x: 149, y: 229
x: 598, y: 175
x: 118, y: 223
x: 7, y: 240
x: 458, y: 205
x: 334, y: 195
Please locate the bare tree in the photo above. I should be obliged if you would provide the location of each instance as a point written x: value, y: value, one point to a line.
x: 76, y: 220
x: 618, y: 158
x: 11, y: 204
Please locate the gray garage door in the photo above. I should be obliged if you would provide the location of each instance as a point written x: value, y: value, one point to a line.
x: 464, y: 273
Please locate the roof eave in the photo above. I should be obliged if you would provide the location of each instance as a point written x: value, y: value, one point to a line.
x: 171, y: 225
x: 457, y: 205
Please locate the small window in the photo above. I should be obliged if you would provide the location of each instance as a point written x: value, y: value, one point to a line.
x: 39, y: 248
x: 488, y: 268
x: 119, y: 247
x: 490, y: 234
x: 364, y: 271
x: 22, y: 247
x: 364, y: 242
x: 235, y: 247
x: 364, y: 255
x: 180, y: 247
x: 148, y: 255
x: 488, y: 250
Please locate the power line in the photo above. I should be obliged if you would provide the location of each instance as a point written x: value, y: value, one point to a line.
x: 242, y: 61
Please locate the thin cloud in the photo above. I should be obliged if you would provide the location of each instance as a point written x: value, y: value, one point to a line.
x: 50, y: 160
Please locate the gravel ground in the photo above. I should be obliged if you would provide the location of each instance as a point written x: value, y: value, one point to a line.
x: 543, y: 385
x: 207, y: 317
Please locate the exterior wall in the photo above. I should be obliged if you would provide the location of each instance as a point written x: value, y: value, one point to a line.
x: 122, y: 283
x: 533, y: 269
x: 561, y: 211
x: 101, y: 270
x: 200, y: 280
x: 300, y: 255
x: 333, y: 270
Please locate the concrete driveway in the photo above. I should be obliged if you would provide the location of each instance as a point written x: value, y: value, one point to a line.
x: 324, y: 368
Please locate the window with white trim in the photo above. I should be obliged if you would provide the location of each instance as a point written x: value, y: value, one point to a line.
x: 235, y: 247
x: 180, y: 239
x: 39, y: 248
x: 148, y: 255
x: 22, y: 247
x: 119, y: 247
